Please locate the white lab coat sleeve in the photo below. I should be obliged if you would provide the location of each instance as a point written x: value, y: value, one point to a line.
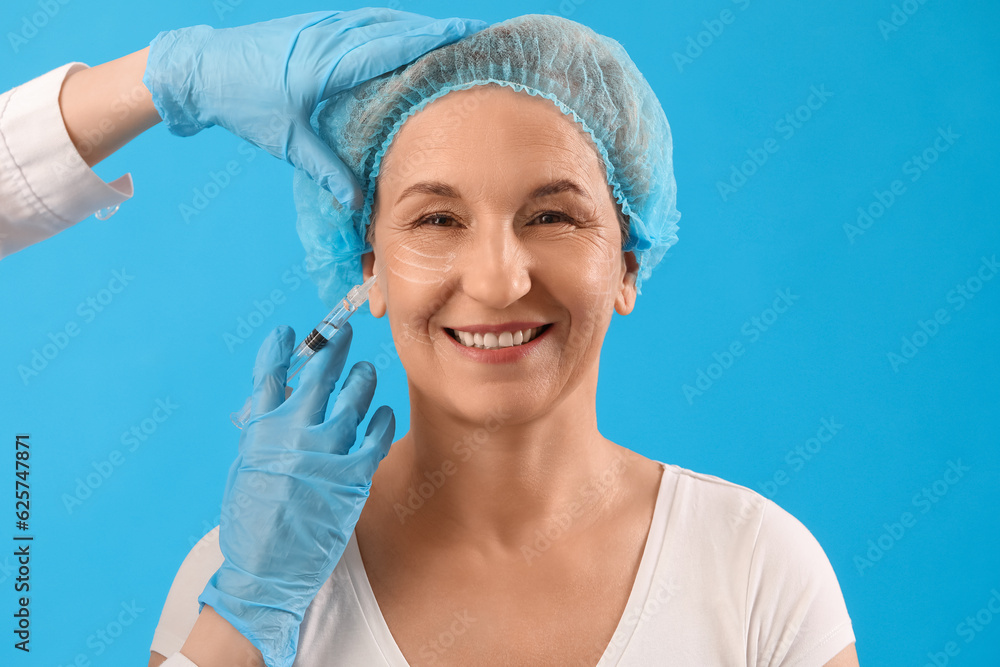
x: 45, y: 186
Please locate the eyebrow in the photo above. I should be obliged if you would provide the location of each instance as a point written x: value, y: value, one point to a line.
x: 440, y: 189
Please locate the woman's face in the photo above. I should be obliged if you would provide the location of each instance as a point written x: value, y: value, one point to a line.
x: 493, y: 217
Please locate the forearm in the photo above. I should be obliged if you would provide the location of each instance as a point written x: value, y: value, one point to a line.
x: 106, y: 106
x: 213, y: 642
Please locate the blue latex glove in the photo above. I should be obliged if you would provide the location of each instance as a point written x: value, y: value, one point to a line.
x: 294, y: 493
x: 264, y: 81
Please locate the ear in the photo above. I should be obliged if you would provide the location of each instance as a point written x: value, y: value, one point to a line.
x: 625, y: 301
x: 375, y: 301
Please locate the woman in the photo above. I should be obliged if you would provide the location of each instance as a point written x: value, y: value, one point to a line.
x: 519, y: 190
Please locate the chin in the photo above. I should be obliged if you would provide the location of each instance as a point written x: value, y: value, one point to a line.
x: 485, y: 408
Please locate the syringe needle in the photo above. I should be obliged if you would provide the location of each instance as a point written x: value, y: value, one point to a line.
x: 316, y: 339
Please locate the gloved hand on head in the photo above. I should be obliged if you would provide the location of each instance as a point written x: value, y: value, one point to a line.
x: 263, y: 82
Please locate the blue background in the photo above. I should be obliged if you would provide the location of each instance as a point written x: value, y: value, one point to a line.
x: 826, y: 357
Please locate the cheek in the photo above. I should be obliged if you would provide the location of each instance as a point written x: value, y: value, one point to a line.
x: 409, y: 309
x: 587, y: 266
x: 418, y: 260
x: 584, y: 278
x: 415, y: 281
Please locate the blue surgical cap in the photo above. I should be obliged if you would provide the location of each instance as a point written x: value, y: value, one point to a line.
x: 588, y: 76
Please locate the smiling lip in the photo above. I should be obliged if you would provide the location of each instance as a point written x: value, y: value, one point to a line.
x: 501, y: 355
x: 498, y: 328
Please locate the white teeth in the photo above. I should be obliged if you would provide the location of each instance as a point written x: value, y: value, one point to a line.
x: 493, y: 341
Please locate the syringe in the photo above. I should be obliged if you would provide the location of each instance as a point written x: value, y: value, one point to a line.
x: 315, y: 341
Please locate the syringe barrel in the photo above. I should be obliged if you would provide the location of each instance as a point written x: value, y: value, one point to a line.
x: 301, y: 356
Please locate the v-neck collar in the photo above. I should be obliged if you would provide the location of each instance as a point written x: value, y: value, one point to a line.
x: 626, y: 624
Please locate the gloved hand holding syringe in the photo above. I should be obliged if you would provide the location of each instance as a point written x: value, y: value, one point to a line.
x: 316, y: 339
x: 292, y: 498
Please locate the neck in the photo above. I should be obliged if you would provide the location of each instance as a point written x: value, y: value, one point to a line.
x: 494, y: 481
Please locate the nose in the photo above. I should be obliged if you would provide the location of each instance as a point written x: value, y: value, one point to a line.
x: 495, y: 267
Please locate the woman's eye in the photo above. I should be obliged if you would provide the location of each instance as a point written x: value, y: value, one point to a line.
x: 443, y: 220
x: 551, y: 217
x: 433, y: 220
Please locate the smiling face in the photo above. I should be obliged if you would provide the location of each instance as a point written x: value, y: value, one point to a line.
x: 496, y: 226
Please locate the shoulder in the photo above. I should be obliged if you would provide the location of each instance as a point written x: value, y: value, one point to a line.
x: 181, y: 609
x: 719, y: 502
x: 795, y: 608
x: 682, y: 492
x: 778, y: 540
x: 791, y: 600
x: 704, y: 531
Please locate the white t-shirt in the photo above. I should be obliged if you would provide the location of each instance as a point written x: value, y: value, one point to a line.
x: 727, y: 577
